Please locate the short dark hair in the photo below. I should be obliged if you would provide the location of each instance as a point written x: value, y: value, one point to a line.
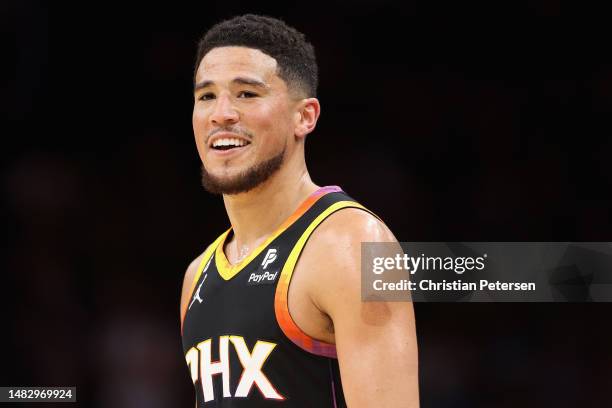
x: 295, y: 57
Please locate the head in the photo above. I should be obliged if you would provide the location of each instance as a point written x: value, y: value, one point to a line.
x: 254, y: 101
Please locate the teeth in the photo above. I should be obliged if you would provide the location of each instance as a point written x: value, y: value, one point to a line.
x: 229, y: 142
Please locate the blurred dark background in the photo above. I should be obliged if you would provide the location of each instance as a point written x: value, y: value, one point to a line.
x: 465, y: 132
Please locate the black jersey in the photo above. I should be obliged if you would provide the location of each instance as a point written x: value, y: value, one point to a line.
x: 242, y: 347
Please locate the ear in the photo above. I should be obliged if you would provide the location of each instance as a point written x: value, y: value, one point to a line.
x: 306, y: 116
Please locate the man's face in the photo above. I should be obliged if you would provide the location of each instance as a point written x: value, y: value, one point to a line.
x: 243, y: 118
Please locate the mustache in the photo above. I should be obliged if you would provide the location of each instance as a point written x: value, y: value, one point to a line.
x: 230, y: 129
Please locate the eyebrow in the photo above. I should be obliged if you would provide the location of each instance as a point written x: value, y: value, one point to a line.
x: 237, y: 80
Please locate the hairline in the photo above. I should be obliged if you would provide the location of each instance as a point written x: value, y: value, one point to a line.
x: 295, y: 88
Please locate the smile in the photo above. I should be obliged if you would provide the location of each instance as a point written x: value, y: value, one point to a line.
x: 228, y: 143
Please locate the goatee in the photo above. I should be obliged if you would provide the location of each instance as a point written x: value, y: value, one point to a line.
x: 245, y: 181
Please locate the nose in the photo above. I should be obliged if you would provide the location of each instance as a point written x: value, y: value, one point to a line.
x: 224, y: 112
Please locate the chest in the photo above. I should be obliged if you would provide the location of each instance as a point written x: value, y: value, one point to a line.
x: 247, y: 304
x: 242, y: 305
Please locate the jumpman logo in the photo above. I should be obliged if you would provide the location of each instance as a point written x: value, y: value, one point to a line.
x: 197, y: 294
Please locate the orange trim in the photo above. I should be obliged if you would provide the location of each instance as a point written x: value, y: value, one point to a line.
x: 227, y: 271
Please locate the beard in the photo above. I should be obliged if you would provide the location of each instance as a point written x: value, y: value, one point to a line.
x: 245, y: 180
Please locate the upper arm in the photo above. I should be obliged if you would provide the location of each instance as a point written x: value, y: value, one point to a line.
x: 375, y: 341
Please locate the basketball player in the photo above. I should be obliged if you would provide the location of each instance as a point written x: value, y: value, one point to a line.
x: 271, y: 312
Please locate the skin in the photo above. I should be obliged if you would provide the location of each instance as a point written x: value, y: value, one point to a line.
x: 375, y: 341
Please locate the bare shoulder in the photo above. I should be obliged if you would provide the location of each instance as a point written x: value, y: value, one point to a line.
x: 341, y: 234
x: 354, y: 224
x: 332, y: 255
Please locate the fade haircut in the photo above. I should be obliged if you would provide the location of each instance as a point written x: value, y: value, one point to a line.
x: 295, y: 57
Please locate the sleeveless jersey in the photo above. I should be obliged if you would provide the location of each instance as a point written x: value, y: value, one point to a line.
x: 242, y: 347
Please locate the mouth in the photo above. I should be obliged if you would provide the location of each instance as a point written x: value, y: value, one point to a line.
x: 225, y: 143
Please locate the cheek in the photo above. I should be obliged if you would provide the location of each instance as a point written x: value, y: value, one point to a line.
x: 274, y: 121
x: 198, y: 122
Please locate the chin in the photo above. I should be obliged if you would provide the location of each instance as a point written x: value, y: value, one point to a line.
x: 228, y: 175
x: 239, y: 180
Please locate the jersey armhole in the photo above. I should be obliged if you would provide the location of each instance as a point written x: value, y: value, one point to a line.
x: 281, y: 298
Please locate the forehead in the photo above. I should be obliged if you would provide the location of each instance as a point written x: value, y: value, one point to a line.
x: 223, y: 62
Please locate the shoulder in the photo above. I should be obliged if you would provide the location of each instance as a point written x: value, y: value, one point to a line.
x: 332, y: 255
x: 188, y: 278
x: 191, y: 271
x: 193, y: 267
x: 352, y: 225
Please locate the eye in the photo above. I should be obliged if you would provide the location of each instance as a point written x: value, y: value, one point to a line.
x: 247, y: 94
x: 206, y: 96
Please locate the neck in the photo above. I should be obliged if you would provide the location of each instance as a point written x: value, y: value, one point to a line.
x: 256, y: 214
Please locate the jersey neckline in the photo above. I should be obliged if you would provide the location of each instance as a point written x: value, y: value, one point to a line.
x: 227, y: 271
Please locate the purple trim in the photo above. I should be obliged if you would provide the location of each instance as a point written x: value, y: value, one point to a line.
x: 329, y: 189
